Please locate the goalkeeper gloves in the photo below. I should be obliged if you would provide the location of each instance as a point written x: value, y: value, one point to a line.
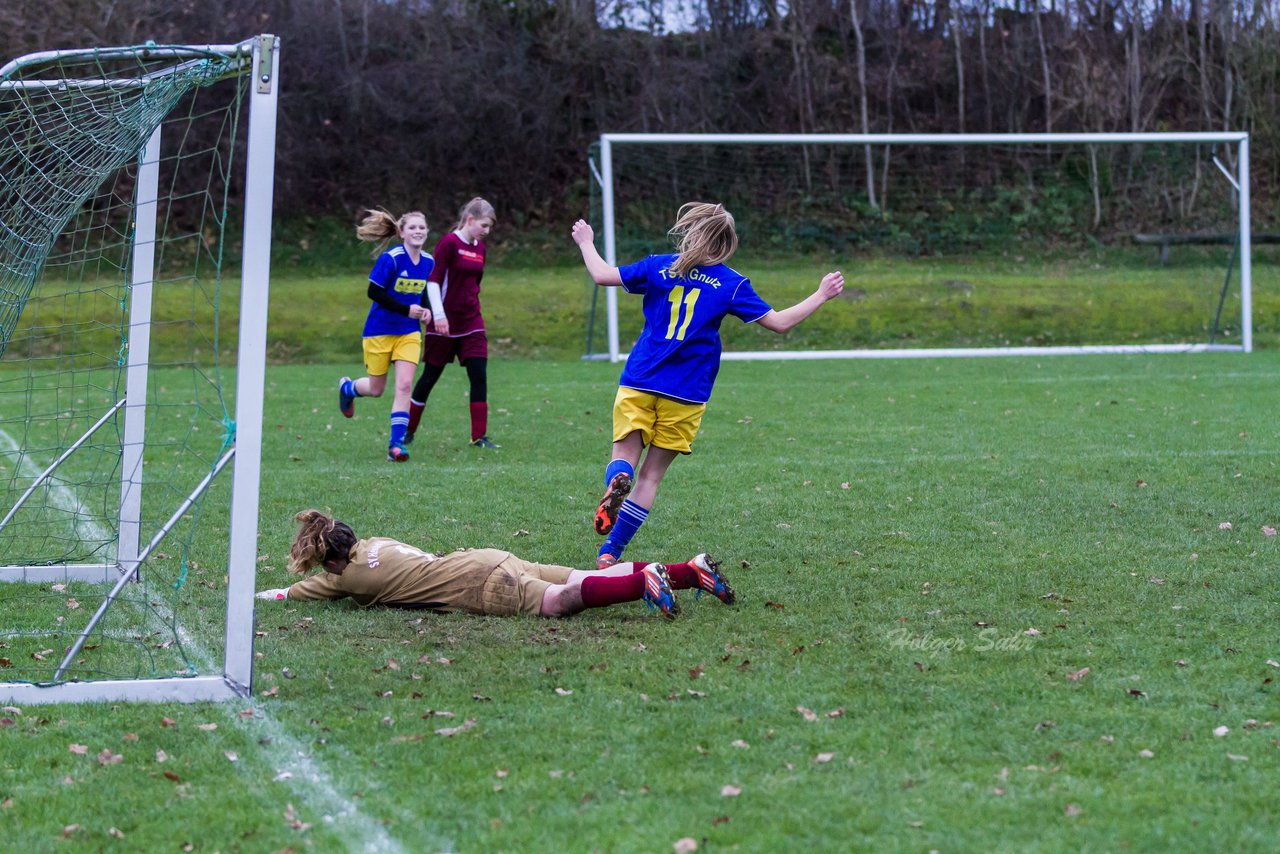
x: 275, y: 594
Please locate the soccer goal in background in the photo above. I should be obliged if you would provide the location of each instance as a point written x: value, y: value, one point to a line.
x: 952, y: 245
x: 135, y: 213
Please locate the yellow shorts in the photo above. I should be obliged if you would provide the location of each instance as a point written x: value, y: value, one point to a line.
x: 662, y: 422
x: 381, y: 350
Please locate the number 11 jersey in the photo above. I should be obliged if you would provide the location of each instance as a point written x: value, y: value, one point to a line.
x: 678, y: 352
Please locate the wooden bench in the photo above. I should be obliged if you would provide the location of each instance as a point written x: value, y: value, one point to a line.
x: 1164, y: 241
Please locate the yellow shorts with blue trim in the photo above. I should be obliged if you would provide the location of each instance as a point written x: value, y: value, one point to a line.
x: 662, y: 422
x: 381, y: 350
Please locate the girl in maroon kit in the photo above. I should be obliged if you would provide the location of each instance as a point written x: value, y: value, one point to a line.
x: 456, y: 329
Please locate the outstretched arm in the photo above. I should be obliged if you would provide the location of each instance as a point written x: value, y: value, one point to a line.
x: 781, y: 321
x: 601, y: 271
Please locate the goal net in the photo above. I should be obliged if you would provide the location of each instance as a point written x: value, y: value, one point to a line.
x: 135, y: 214
x: 951, y: 245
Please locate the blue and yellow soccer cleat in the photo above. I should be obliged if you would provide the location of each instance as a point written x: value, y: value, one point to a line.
x: 658, y: 592
x: 486, y: 443
x: 346, y: 402
x: 397, y: 455
x: 607, y: 512
x: 711, y: 579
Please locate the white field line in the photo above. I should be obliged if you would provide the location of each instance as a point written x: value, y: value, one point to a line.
x: 292, y: 762
x: 64, y: 499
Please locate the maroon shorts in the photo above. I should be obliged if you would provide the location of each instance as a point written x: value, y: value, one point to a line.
x: 439, y: 351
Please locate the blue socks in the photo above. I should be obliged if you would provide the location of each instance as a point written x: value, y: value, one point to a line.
x: 616, y: 467
x: 399, y: 426
x: 349, y: 389
x: 630, y: 517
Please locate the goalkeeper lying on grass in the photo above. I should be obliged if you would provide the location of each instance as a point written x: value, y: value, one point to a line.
x: 380, y: 571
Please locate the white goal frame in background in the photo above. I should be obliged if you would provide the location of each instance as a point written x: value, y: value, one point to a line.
x: 1239, y: 181
x: 244, y: 458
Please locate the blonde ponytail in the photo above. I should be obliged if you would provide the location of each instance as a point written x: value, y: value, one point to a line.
x: 704, y: 235
x: 381, y: 228
x: 477, y: 208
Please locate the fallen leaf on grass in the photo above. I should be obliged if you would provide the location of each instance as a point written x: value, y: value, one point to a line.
x: 231, y: 755
x: 80, y: 749
x: 455, y: 730
x: 207, y: 727
x: 730, y: 791
x: 69, y: 829
x: 1235, y: 757
x: 740, y: 744
x: 161, y: 756
x: 1145, y: 754
x: 564, y: 692
x: 1134, y: 692
x: 836, y: 713
x: 1077, y: 675
x: 807, y: 714
x: 1071, y: 810
x: 167, y: 722
x: 106, y: 757
x: 291, y: 818
x: 1219, y: 732
x: 685, y: 845
x: 1224, y: 526
x: 1268, y: 531
x: 823, y: 758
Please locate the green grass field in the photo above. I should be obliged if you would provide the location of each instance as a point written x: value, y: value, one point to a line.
x: 987, y: 604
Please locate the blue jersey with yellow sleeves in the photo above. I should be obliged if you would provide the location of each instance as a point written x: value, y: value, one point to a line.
x: 395, y: 272
x: 678, y: 352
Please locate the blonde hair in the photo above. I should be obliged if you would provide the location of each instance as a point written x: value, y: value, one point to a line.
x: 320, y: 538
x: 704, y: 235
x: 477, y: 208
x: 380, y: 227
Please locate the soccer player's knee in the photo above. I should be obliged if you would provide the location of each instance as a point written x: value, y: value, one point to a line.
x: 561, y: 600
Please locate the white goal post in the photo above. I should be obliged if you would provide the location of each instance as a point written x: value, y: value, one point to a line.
x: 128, y: 70
x: 604, y: 176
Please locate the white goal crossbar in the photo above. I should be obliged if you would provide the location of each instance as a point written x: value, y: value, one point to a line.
x: 1239, y: 181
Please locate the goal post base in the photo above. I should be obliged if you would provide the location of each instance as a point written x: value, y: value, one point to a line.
x: 194, y: 689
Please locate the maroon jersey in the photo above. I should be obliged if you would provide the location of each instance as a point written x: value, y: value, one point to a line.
x: 459, y: 269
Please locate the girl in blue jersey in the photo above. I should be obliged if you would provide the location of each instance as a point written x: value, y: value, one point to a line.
x: 393, y: 330
x: 668, y: 375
